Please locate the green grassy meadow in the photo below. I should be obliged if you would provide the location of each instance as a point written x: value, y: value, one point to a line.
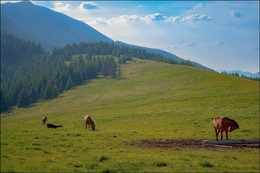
x: 151, y: 100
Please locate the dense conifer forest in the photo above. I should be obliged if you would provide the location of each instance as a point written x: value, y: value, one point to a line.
x: 29, y: 74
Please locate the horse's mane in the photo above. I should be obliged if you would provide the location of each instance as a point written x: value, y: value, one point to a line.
x: 237, y: 126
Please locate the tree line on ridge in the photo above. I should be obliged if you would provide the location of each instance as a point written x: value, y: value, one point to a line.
x: 29, y: 74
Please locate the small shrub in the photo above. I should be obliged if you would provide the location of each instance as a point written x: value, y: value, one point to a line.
x: 103, y: 158
x: 206, y: 164
x: 76, y: 165
x: 235, y: 158
x: 36, y: 148
x: 160, y: 164
x: 46, y: 152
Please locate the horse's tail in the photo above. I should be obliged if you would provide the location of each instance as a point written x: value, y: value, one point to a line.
x: 216, y: 121
x: 59, y: 126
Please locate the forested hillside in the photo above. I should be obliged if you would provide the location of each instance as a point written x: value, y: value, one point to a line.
x: 15, y: 51
x: 28, y: 74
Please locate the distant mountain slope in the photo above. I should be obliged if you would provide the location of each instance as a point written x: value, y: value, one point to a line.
x: 241, y: 73
x: 45, y: 26
x: 167, y: 54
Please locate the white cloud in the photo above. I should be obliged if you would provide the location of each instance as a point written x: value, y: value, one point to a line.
x: 196, y: 17
x: 198, y: 6
x: 235, y: 14
x: 123, y: 19
x: 3, y: 2
x: 173, y: 19
x: 155, y: 17
x: 88, y: 5
x: 129, y: 18
x: 98, y: 21
x: 60, y: 6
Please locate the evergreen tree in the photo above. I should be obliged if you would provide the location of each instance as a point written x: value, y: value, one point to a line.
x: 23, y: 99
x: 69, y: 84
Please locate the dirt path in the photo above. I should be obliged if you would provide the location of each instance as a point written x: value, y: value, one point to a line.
x: 183, y: 143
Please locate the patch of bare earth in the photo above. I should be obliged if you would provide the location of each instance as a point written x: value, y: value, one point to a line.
x: 183, y: 143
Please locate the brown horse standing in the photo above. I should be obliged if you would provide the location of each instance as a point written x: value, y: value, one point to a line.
x: 222, y: 124
x: 44, y: 120
x: 89, y: 122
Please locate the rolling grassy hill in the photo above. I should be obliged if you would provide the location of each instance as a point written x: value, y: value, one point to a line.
x: 151, y: 100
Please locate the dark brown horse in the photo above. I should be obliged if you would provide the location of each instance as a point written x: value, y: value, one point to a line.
x: 89, y: 122
x: 222, y: 124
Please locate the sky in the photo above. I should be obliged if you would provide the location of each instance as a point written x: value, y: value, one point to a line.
x: 222, y: 35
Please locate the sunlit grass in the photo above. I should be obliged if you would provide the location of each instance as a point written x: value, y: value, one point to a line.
x: 151, y: 100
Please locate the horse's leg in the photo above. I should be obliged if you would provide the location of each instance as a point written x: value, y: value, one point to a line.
x: 227, y: 135
x: 216, y: 132
x: 221, y: 135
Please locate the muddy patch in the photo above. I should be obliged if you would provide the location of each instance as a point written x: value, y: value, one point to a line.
x: 184, y: 143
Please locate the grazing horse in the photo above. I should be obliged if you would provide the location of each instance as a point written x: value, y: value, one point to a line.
x: 222, y: 124
x: 44, y: 120
x: 89, y: 122
x: 49, y: 125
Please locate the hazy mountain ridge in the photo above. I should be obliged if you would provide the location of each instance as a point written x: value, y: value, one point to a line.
x: 166, y: 54
x: 241, y: 73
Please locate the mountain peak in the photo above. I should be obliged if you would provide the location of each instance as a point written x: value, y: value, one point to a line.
x: 20, y: 3
x: 26, y: 2
x: 42, y: 25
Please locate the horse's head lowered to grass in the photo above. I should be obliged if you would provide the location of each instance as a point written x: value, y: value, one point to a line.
x: 222, y: 124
